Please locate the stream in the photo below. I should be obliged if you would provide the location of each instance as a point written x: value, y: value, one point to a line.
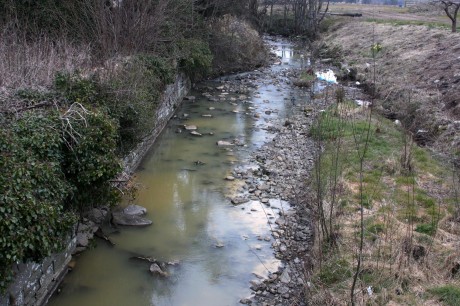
x: 218, y: 247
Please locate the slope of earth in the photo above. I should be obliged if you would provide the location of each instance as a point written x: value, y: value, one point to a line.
x: 421, y: 14
x: 417, y: 75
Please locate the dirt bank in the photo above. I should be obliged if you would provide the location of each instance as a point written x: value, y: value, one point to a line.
x: 417, y: 75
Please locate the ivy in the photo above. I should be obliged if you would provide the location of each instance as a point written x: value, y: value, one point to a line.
x: 47, y: 174
x: 32, y: 190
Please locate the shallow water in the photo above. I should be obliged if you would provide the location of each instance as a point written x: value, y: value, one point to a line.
x: 190, y: 211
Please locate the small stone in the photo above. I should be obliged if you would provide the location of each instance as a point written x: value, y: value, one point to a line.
x: 246, y: 301
x: 239, y: 200
x: 223, y: 143
x: 156, y: 270
x: 283, y: 290
x: 285, y: 278
x: 229, y: 178
x: 190, y: 127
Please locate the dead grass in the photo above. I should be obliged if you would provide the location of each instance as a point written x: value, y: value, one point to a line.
x: 35, y: 63
x: 417, y: 64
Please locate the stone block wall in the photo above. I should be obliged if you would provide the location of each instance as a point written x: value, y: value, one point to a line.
x: 172, y: 98
x: 34, y: 283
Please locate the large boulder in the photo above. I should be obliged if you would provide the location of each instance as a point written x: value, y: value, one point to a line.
x: 132, y: 215
x: 135, y: 210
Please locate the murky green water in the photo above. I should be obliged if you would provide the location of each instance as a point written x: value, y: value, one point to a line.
x: 190, y: 212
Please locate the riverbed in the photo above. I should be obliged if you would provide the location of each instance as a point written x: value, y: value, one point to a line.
x: 186, y: 183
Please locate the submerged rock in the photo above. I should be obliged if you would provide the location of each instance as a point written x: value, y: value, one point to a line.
x: 190, y: 127
x: 156, y: 270
x: 223, y: 143
x: 135, y: 210
x: 195, y: 133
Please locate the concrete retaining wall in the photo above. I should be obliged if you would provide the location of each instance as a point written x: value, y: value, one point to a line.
x: 172, y: 98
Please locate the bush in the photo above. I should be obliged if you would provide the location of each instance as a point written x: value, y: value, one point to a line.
x: 33, y: 188
x: 91, y: 161
x: 236, y: 46
x: 428, y: 229
x: 195, y: 58
x: 52, y: 165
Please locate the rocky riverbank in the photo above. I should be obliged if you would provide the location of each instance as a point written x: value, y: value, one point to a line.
x: 280, y: 171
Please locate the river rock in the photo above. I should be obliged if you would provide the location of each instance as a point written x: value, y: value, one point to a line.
x: 239, y: 200
x: 224, y: 143
x: 131, y: 216
x: 285, y: 277
x: 98, y: 215
x: 190, y: 127
x: 135, y: 210
x: 195, y: 133
x: 156, y: 270
x: 82, y: 240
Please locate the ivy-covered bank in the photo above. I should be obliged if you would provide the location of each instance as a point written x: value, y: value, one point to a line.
x: 62, y: 147
x: 73, y: 107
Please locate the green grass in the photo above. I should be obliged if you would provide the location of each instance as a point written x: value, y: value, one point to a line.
x: 448, y: 294
x: 428, y: 229
x: 334, y: 271
x: 373, y: 229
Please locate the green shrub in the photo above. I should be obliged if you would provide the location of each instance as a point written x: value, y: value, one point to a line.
x: 373, y: 230
x: 428, y: 229
x: 32, y: 192
x: 334, y: 271
x: 195, y: 57
x: 91, y: 161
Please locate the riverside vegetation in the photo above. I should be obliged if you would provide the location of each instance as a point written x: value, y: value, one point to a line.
x: 386, y: 210
x: 385, y: 183
x: 80, y: 81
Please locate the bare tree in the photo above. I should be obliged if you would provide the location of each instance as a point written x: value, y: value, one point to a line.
x: 451, y: 7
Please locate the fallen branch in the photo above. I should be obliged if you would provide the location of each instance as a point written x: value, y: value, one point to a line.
x: 38, y: 105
